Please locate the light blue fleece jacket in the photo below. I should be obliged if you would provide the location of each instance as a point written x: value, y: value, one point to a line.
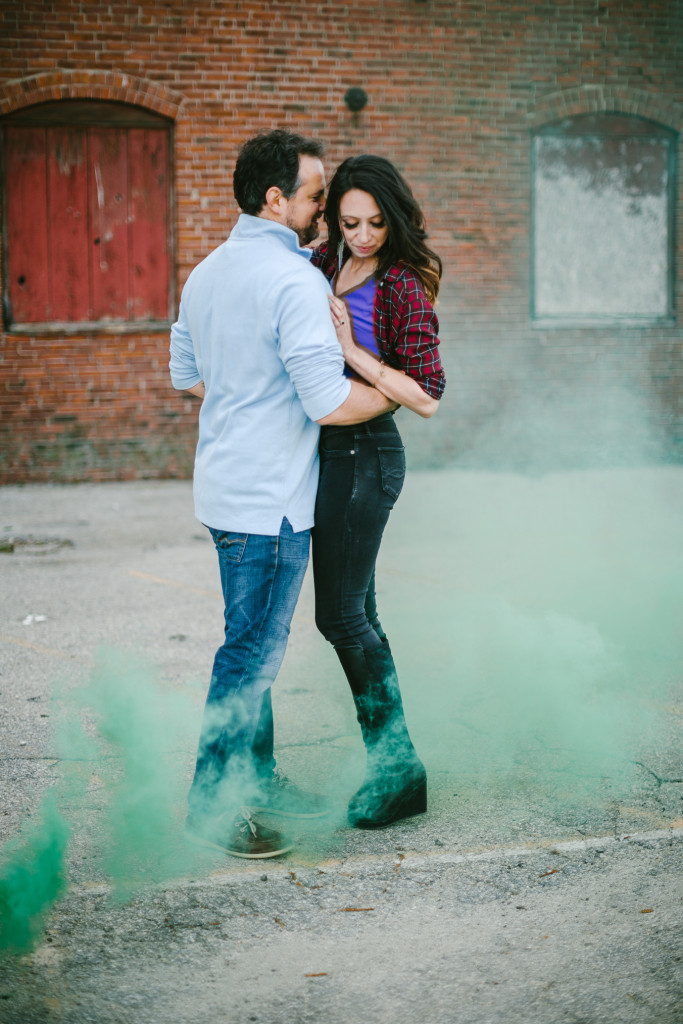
x: 254, y: 324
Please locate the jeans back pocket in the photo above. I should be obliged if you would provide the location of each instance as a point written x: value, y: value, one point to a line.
x: 229, y: 545
x: 392, y: 468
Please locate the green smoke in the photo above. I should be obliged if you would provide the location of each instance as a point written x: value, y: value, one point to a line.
x: 32, y: 877
x: 138, y: 767
x: 117, y: 733
x: 547, y: 614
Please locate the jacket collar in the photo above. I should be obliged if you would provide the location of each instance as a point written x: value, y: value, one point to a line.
x: 250, y: 228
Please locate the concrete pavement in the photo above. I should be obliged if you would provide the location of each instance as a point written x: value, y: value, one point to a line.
x: 535, y: 624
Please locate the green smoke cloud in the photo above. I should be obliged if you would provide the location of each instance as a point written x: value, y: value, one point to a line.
x: 139, y: 728
x: 120, y: 731
x: 32, y: 877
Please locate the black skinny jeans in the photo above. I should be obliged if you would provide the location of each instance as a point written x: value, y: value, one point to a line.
x: 361, y: 475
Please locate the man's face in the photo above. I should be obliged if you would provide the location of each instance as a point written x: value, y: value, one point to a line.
x: 307, y: 204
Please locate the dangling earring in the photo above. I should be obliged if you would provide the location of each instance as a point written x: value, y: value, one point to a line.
x: 340, y: 254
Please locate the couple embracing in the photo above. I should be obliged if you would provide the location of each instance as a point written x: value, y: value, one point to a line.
x: 301, y: 357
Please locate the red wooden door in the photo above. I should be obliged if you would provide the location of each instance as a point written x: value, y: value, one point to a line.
x: 26, y: 201
x: 67, y: 237
x: 108, y: 207
x: 87, y: 223
x: 149, y: 254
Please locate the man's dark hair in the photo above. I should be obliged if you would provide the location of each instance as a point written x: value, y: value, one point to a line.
x: 270, y: 159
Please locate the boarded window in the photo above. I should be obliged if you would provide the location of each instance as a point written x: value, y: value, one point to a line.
x: 603, y: 220
x: 87, y: 214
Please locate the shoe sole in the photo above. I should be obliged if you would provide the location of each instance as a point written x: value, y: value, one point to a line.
x: 201, y: 841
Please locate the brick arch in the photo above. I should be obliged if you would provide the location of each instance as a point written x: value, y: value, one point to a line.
x: 58, y: 85
x: 598, y: 99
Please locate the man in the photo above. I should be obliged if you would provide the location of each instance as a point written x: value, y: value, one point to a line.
x: 255, y: 340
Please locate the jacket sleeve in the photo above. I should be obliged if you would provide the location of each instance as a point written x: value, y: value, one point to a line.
x: 185, y: 372
x: 414, y: 335
x: 308, y: 346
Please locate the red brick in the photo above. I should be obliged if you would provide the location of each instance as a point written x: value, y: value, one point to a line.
x: 454, y: 89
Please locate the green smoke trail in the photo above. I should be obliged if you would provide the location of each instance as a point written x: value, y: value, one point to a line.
x: 549, y: 637
x: 139, y: 727
x: 32, y: 877
x: 34, y: 871
x: 134, y: 834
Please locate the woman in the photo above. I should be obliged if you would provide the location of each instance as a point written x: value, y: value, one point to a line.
x: 385, y: 279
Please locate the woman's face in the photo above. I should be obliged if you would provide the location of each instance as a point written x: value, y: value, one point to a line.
x: 362, y: 224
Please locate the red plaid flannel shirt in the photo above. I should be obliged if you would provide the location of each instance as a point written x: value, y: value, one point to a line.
x: 404, y: 322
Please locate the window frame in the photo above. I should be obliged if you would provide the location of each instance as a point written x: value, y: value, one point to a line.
x: 75, y: 113
x: 573, y: 127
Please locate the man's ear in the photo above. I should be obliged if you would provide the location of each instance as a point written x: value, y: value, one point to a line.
x: 274, y: 199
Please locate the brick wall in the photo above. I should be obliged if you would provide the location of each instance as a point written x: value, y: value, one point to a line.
x: 455, y: 88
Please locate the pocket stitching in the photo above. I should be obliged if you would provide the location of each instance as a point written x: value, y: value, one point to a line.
x: 385, y: 473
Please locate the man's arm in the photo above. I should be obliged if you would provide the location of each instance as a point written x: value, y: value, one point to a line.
x: 364, y: 403
x: 185, y: 374
x: 312, y: 356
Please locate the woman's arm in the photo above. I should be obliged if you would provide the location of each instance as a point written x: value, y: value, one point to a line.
x: 395, y: 384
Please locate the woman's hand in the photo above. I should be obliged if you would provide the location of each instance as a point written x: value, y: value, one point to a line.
x: 342, y: 324
x: 394, y: 384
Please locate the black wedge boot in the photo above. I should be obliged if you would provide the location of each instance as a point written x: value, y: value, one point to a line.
x: 395, y: 784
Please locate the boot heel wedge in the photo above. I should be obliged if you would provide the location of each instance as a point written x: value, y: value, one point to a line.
x: 391, y: 807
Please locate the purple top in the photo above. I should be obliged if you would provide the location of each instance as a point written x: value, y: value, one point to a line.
x: 406, y: 325
x: 361, y: 302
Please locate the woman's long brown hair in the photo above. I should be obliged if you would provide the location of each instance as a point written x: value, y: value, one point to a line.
x: 406, y: 240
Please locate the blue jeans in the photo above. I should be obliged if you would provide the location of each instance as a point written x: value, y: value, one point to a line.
x: 261, y: 577
x: 362, y: 469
